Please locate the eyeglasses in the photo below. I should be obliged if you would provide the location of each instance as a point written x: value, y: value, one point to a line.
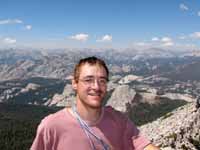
x: 91, y: 81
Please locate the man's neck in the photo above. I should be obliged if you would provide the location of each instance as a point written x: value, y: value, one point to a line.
x: 90, y: 115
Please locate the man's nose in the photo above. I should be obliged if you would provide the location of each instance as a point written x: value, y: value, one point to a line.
x: 96, y: 84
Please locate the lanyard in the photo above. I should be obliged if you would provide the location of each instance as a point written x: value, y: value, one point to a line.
x: 88, y: 131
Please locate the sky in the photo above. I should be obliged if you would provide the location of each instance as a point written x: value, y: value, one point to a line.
x: 169, y: 24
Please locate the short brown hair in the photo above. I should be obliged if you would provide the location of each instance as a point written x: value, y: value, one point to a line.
x: 91, y: 61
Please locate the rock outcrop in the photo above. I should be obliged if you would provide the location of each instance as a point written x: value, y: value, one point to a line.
x: 30, y: 86
x: 176, y: 96
x: 129, y: 78
x: 121, y: 96
x: 66, y: 98
x: 177, y: 130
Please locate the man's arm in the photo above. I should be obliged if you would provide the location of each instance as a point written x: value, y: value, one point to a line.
x: 151, y: 147
x: 42, y: 139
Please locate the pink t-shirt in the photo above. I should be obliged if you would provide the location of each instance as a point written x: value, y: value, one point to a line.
x: 61, y: 131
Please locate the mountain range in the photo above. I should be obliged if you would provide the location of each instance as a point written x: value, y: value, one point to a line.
x: 149, y: 86
x: 23, y: 64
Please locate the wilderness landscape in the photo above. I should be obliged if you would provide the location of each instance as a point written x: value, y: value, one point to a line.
x: 152, y: 50
x: 156, y: 88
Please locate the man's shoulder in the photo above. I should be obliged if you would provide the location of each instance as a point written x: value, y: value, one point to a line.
x: 53, y: 119
x: 115, y: 114
x: 110, y: 109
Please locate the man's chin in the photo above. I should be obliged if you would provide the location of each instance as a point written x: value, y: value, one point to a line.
x: 97, y: 107
x: 96, y: 103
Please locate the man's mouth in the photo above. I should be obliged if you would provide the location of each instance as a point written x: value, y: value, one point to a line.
x: 95, y: 94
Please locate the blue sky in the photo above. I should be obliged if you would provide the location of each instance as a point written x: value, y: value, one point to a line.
x: 100, y: 23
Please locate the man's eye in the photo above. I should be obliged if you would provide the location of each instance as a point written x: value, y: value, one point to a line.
x: 103, y: 81
x: 88, y: 80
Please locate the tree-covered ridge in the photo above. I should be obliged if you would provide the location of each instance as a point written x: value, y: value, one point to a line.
x: 18, y: 124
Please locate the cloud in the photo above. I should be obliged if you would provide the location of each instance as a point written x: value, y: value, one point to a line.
x: 183, y: 7
x: 142, y: 44
x: 195, y: 35
x: 28, y: 27
x: 80, y: 37
x: 105, y: 38
x: 163, y: 39
x: 155, y: 39
x: 15, y: 21
x: 11, y: 21
x: 182, y: 37
x: 198, y: 13
x: 166, y: 39
x: 9, y: 40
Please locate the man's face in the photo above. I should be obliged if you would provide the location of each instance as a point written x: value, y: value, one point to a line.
x: 91, y: 86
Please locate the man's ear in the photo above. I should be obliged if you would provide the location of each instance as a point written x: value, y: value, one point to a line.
x: 74, y: 84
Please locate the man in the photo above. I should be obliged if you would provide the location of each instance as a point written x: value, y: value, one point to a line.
x: 88, y: 125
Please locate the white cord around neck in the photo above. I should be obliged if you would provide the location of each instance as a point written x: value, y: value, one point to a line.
x: 89, y: 132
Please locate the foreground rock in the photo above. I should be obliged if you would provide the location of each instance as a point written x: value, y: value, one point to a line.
x: 178, y: 130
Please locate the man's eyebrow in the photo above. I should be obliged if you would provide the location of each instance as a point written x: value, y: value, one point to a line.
x: 90, y: 76
x: 105, y: 78
x: 102, y: 77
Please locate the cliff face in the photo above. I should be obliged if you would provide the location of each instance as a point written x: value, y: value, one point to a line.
x: 177, y: 130
x: 121, y: 96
